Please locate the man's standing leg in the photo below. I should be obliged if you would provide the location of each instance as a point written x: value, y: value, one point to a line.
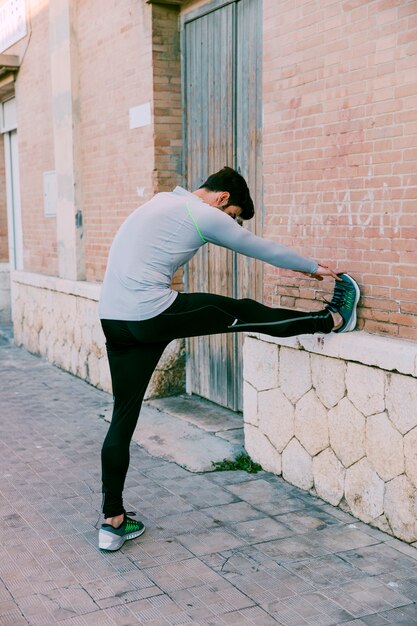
x: 131, y: 367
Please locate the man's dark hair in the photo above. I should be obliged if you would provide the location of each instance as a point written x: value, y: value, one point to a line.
x: 227, y: 179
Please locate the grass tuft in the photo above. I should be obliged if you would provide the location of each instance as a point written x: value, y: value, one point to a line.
x: 241, y: 462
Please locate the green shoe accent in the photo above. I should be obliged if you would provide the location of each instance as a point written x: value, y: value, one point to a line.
x: 110, y: 538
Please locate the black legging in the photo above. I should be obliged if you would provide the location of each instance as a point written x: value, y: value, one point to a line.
x: 134, y: 349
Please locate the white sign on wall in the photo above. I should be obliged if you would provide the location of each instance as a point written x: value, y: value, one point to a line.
x: 12, y: 22
x: 140, y: 115
x: 50, y: 193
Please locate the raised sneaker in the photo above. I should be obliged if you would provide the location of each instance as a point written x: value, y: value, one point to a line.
x: 345, y: 299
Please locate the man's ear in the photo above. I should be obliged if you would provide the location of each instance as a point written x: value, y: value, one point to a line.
x: 224, y: 198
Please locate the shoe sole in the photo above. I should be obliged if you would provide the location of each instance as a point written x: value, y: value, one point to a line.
x: 351, y: 323
x: 108, y: 541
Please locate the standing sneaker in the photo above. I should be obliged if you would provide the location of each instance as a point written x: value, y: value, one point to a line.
x: 110, y: 538
x: 345, y: 299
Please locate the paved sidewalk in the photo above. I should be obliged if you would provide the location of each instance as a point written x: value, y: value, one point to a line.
x: 220, y: 548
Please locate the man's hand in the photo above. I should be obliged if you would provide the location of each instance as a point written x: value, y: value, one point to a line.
x: 322, y: 271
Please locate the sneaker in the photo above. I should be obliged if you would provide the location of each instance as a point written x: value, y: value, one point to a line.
x: 110, y: 538
x: 345, y: 299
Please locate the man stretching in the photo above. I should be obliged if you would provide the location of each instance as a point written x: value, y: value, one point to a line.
x: 140, y: 313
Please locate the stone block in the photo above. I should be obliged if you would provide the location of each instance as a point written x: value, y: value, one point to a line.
x: 261, y: 450
x: 347, y: 432
x: 401, y: 401
x: 311, y: 427
x: 104, y: 374
x: 384, y: 446
x: 98, y: 336
x: 74, y: 360
x: 260, y: 364
x: 172, y: 353
x: 64, y: 355
x: 50, y: 346
x: 250, y: 404
x: 297, y: 465
x: 93, y: 369
x: 329, y: 476
x: 78, y: 334
x: 328, y: 377
x: 276, y: 417
x: 381, y: 523
x: 401, y: 508
x: 364, y: 491
x: 42, y: 342
x: 82, y: 363
x: 410, y: 455
x: 366, y: 388
x: 86, y: 334
x: 294, y: 373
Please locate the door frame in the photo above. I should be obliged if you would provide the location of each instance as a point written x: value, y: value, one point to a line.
x: 257, y: 291
x: 11, y: 163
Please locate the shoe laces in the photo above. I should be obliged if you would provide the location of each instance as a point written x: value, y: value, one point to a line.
x: 342, y: 296
x: 131, y: 524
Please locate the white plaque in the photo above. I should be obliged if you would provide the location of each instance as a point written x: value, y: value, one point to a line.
x: 12, y: 22
x: 140, y: 115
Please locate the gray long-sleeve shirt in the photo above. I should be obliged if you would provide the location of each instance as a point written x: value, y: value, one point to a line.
x: 163, y: 234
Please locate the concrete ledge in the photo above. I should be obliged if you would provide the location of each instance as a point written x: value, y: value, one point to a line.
x: 385, y: 352
x: 78, y: 288
x: 58, y: 318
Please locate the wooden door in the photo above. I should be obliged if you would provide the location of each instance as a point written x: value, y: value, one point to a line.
x: 222, y: 106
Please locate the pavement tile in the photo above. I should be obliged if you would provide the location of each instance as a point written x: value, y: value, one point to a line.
x: 292, y: 548
x: 253, y: 615
x: 326, y: 571
x: 313, y: 609
x: 380, y: 559
x: 404, y: 616
x: 56, y: 605
x: 155, y: 509
x: 209, y: 541
x: 405, y: 583
x: 161, y: 608
x: 12, y: 617
x: 261, y: 529
x: 200, y: 492
x: 243, y: 559
x: 234, y: 512
x: 180, y: 524
x: 261, y: 579
x: 182, y: 575
x: 281, y: 506
x: 256, y: 491
x: 230, y: 477
x: 307, y: 520
x: 123, y: 616
x: 360, y: 600
x: 212, y: 599
x: 149, y: 552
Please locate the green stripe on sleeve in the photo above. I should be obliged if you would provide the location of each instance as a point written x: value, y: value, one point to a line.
x: 194, y: 222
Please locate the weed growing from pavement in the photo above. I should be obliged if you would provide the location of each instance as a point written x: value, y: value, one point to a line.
x: 241, y: 462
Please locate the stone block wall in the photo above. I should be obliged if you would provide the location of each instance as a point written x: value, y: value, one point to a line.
x: 341, y: 427
x: 58, y: 319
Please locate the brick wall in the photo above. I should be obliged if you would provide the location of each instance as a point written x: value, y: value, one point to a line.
x: 117, y: 162
x: 340, y: 157
x: 4, y: 250
x: 35, y: 141
x: 166, y: 68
